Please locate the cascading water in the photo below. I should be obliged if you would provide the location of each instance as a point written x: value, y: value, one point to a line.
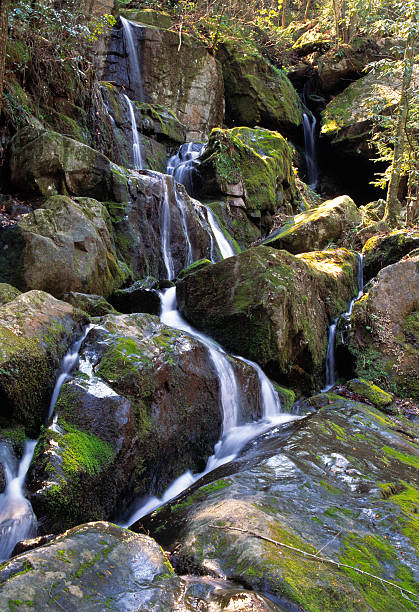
x: 234, y: 435
x: 309, y: 127
x: 136, y: 145
x: 181, y: 207
x: 330, y: 355
x: 223, y: 244
x: 165, y: 230
x: 184, y: 166
x: 134, y: 72
x: 17, y: 519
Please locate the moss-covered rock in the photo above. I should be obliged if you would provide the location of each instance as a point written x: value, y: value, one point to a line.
x: 194, y: 267
x: 383, y: 250
x: 158, y: 19
x: 46, y: 163
x: 94, y: 305
x: 7, y: 293
x: 311, y: 41
x: 62, y: 246
x: 333, y: 471
x: 273, y: 307
x: 141, y: 410
x: 384, y: 335
x: 188, y: 80
x: 253, y: 166
x: 346, y: 63
x: 316, y: 228
x: 381, y: 399
x: 36, y: 330
x: 232, y: 213
x: 256, y: 92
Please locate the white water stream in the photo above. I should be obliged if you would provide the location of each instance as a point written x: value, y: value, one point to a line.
x: 134, y: 72
x: 136, y: 145
x: 309, y: 127
x: 330, y: 355
x: 17, y: 519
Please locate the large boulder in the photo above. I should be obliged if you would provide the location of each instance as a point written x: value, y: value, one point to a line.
x: 316, y: 228
x: 348, y: 120
x: 384, y: 336
x: 338, y: 66
x: 250, y: 167
x: 273, y: 307
x: 343, y: 485
x: 63, y: 246
x: 36, y: 331
x: 100, y: 566
x: 184, y: 78
x: 386, y: 249
x: 142, y: 409
x: 256, y: 92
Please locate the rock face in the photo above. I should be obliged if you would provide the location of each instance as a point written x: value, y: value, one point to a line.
x: 232, y: 214
x: 273, y: 307
x: 63, y: 246
x: 158, y: 126
x: 343, y: 472
x: 94, y: 305
x: 252, y: 168
x: 143, y: 409
x: 256, y: 92
x: 36, y: 330
x: 385, y: 336
x: 100, y: 566
x: 380, y: 251
x: 347, y: 120
x: 189, y: 81
x: 314, y: 229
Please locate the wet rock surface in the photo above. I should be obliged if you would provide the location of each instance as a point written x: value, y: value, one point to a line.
x: 100, y: 566
x: 273, y: 307
x: 342, y: 486
x: 383, y: 250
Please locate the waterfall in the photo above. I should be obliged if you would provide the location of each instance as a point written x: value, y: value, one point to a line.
x: 309, y: 127
x: 224, y: 245
x: 183, y: 166
x: 181, y: 207
x: 136, y: 146
x: 234, y: 435
x: 17, y: 519
x: 134, y: 72
x: 330, y: 354
x: 165, y: 230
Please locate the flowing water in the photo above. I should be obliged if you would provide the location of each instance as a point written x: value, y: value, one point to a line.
x: 183, y: 166
x: 17, y: 519
x: 309, y: 127
x: 165, y: 230
x: 134, y: 71
x: 330, y: 355
x: 136, y: 145
x: 181, y: 207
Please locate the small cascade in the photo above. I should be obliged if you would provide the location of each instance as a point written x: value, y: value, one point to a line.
x: 135, y: 77
x: 184, y: 165
x: 136, y: 145
x: 17, y: 519
x: 223, y: 244
x: 181, y: 207
x: 330, y: 354
x: 310, y: 136
x: 165, y: 230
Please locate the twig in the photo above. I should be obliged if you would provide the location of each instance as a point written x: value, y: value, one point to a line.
x: 327, y: 543
x: 311, y: 556
x: 180, y: 36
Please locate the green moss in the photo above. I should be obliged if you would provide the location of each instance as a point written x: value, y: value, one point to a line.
x: 200, y: 494
x: 403, y: 456
x: 330, y: 488
x: 84, y: 452
x: 194, y: 267
x: 367, y: 389
x: 375, y: 555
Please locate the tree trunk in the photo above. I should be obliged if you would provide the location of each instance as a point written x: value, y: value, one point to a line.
x: 4, y: 15
x: 308, y: 5
x: 284, y: 13
x: 393, y: 206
